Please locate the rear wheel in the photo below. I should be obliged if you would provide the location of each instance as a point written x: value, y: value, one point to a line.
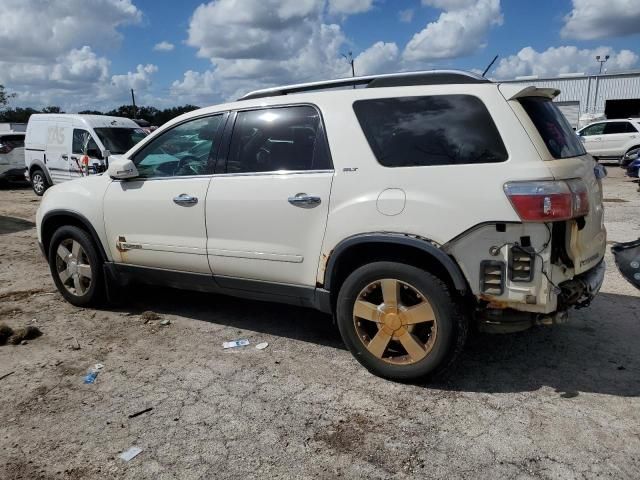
x: 39, y: 182
x: 76, y: 267
x: 399, y: 321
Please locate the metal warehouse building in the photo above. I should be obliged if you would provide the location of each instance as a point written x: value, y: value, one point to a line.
x: 614, y: 95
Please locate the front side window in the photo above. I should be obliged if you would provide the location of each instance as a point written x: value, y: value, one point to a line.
x: 180, y: 151
x: 119, y: 140
x: 83, y: 143
x: 430, y: 130
x: 595, y: 129
x: 278, y: 139
x: 552, y: 125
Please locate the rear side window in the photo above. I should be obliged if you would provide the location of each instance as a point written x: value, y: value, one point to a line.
x: 431, y: 130
x: 278, y: 139
x: 557, y: 134
x: 611, y: 128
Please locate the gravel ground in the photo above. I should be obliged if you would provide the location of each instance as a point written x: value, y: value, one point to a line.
x: 555, y: 402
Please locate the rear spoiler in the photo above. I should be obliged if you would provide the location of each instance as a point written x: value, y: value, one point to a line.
x: 513, y: 92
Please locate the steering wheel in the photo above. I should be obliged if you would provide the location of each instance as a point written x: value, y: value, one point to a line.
x: 186, y: 165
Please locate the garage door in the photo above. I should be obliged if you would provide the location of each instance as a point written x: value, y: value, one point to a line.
x: 571, y: 110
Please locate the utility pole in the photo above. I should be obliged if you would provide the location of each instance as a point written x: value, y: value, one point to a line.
x: 601, y: 62
x: 351, y: 62
x: 133, y: 101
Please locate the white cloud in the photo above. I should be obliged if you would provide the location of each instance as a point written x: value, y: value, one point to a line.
x: 457, y: 32
x: 349, y: 7
x: 449, y: 4
x: 378, y: 58
x: 138, y: 80
x: 36, y: 29
x: 406, y: 16
x: 565, y: 59
x: 47, y: 53
x: 164, y: 46
x: 591, y: 19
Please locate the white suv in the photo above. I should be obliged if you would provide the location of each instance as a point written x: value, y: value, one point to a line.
x: 611, y: 139
x: 408, y: 209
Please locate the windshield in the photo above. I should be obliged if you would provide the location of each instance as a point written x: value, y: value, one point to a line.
x: 553, y: 127
x: 119, y: 140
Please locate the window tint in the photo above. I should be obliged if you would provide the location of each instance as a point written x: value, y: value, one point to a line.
x: 619, y: 127
x: 595, y: 129
x: 183, y: 150
x: 434, y: 130
x: 552, y: 125
x: 269, y: 140
x: 84, y: 142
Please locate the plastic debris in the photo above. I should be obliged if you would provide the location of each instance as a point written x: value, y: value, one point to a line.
x: 134, y: 415
x: 130, y: 454
x: 93, y: 373
x: 262, y: 346
x: 165, y: 322
x: 236, y: 343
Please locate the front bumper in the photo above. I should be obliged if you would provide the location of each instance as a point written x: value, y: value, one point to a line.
x: 13, y: 174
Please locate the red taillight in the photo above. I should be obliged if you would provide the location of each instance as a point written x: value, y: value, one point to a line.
x: 548, y: 201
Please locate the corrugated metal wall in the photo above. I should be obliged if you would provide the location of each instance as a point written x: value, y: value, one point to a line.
x: 591, y: 91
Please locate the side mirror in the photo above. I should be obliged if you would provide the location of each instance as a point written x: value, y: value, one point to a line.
x: 122, y: 169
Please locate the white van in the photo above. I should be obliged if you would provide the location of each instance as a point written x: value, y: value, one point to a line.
x: 56, y: 143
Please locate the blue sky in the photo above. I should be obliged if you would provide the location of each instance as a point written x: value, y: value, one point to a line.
x: 88, y: 54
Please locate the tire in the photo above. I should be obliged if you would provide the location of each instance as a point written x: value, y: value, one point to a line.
x: 441, y: 339
x: 39, y: 182
x: 72, y: 254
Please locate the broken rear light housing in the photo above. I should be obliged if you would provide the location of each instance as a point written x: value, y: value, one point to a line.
x: 548, y: 200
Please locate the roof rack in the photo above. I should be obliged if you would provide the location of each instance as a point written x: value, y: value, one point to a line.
x: 427, y: 77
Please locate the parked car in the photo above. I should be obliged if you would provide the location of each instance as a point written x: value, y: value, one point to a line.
x: 56, y: 143
x: 11, y: 156
x: 408, y: 210
x: 633, y: 168
x: 610, y: 140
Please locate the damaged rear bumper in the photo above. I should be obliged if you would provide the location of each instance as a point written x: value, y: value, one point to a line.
x: 577, y: 292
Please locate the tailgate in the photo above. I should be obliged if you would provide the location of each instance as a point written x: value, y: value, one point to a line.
x: 587, y: 237
x: 563, y: 153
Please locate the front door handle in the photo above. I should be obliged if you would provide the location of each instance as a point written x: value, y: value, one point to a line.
x: 65, y: 157
x: 303, y: 200
x: 185, y: 199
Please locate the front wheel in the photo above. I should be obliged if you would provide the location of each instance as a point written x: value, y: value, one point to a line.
x: 399, y: 321
x: 76, y: 267
x: 39, y: 182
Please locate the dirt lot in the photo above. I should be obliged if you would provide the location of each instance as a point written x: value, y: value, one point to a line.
x: 559, y: 402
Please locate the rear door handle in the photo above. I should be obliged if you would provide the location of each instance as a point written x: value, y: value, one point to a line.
x: 303, y: 200
x: 185, y: 199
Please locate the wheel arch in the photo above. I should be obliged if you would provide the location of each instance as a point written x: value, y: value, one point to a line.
x: 38, y: 165
x: 57, y: 218
x: 358, y: 250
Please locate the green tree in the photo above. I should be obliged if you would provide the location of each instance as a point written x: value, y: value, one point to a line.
x: 4, y: 96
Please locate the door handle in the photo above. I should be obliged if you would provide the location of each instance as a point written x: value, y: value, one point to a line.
x: 65, y: 157
x: 185, y: 199
x: 303, y: 200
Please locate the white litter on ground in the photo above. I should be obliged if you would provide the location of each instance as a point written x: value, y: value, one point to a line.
x: 131, y: 453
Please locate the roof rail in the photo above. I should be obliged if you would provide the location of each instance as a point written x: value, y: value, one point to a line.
x: 427, y: 77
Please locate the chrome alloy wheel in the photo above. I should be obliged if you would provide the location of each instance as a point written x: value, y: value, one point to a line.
x: 38, y: 183
x: 395, y: 322
x: 72, y: 265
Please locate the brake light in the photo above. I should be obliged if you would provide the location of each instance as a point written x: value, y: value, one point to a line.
x: 548, y: 201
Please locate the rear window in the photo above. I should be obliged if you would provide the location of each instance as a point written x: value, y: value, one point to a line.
x: 430, y: 130
x: 557, y: 134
